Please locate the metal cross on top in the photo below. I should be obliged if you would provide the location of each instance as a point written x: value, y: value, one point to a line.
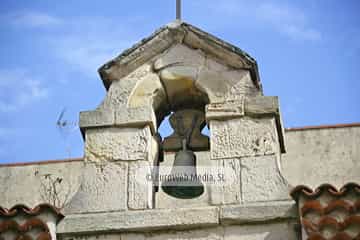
x: 178, y: 9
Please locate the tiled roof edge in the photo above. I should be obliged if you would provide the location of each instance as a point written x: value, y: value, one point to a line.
x: 309, y: 193
x: 344, y: 125
x: 41, y: 162
x: 4, y: 212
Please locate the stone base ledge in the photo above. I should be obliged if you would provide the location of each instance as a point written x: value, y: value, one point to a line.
x: 139, y: 221
x: 259, y: 212
x: 174, y: 219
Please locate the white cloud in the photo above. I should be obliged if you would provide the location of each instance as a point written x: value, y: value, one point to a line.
x: 279, y: 14
x: 90, y: 42
x: 82, y: 43
x: 282, y: 18
x: 86, y: 57
x: 34, y: 19
x: 285, y: 19
x: 19, y: 90
x: 296, y: 33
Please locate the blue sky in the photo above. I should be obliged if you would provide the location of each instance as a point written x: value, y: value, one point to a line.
x: 308, y: 53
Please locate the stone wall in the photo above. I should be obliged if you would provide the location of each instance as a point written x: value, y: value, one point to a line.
x: 55, y: 183
x: 314, y: 156
x: 322, y: 155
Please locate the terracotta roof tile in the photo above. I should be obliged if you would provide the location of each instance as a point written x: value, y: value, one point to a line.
x: 21, y: 208
x: 329, y: 213
x: 309, y: 193
x: 42, y: 162
x: 341, y: 125
x: 30, y: 221
x: 22, y: 231
x: 23, y: 228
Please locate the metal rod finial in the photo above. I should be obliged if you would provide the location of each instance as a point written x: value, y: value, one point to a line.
x: 178, y: 9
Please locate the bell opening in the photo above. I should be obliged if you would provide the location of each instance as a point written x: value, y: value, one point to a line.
x: 183, y: 181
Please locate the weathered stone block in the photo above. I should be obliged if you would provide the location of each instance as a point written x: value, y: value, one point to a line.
x: 228, y: 191
x: 132, y: 236
x: 226, y: 110
x: 180, y: 55
x: 95, y: 237
x: 97, y: 118
x: 102, y: 189
x: 213, y: 83
x: 261, y: 105
x: 120, y: 89
x: 223, y: 83
x: 243, y: 137
x: 240, y: 83
x: 273, y: 231
x: 149, y: 92
x: 136, y: 117
x: 143, y: 221
x: 259, y: 212
x: 178, y: 68
x: 171, y: 75
x: 262, y: 180
x: 117, y: 144
x: 140, y: 189
x: 196, y: 234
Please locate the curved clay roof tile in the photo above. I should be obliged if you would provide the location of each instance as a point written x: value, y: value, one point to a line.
x: 339, y: 204
x: 312, y: 206
x: 23, y: 228
x: 309, y: 193
x: 327, y: 221
x: 27, y: 210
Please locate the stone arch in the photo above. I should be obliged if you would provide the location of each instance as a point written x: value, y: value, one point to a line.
x: 181, y: 78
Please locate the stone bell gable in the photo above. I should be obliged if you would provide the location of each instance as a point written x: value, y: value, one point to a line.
x: 176, y: 67
x: 116, y: 191
x: 180, y: 67
x: 182, y: 70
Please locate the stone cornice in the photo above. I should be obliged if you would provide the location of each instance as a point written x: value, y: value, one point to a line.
x: 176, y: 219
x: 124, y: 117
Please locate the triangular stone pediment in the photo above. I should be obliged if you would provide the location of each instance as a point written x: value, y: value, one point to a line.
x: 173, y: 34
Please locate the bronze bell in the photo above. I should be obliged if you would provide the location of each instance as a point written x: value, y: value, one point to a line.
x: 183, y: 181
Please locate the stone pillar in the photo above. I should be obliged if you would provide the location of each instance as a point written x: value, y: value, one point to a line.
x: 246, y: 142
x: 119, y: 153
